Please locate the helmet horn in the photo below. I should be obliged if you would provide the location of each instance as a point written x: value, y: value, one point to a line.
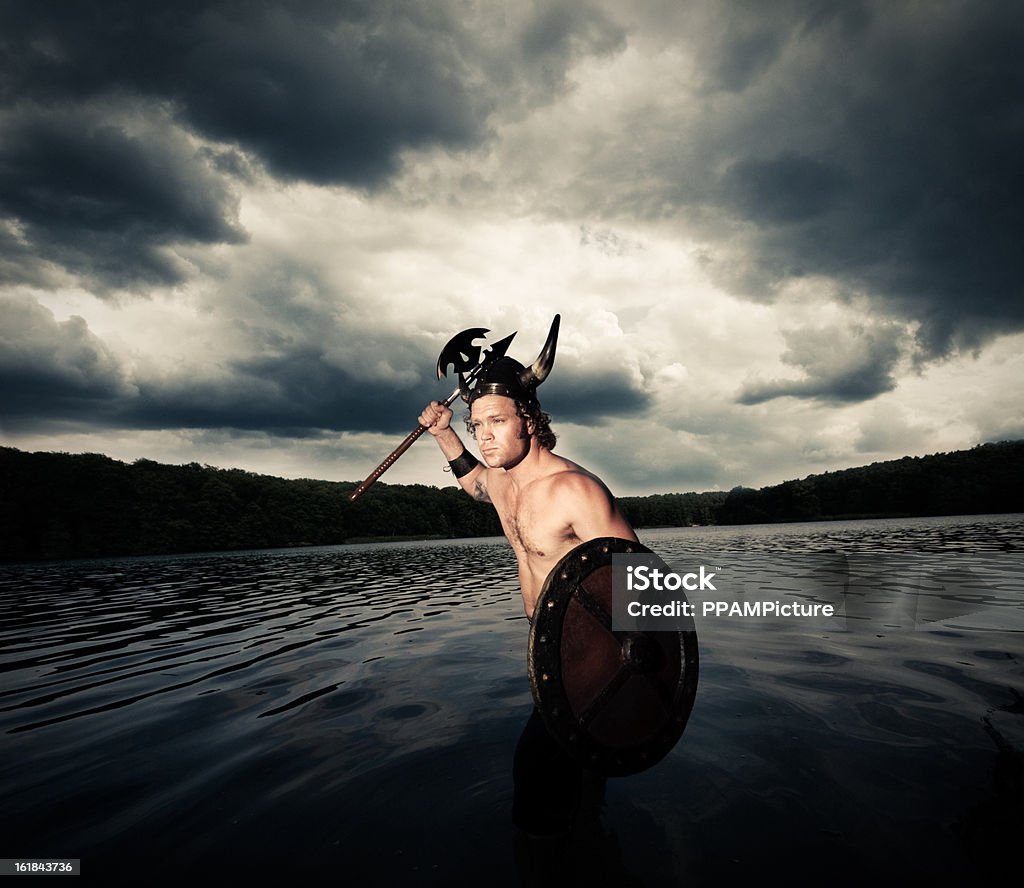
x: 538, y: 371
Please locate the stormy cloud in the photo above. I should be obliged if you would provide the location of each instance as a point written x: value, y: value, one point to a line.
x: 780, y: 236
x: 327, y: 93
x: 902, y: 176
x: 320, y: 91
x: 853, y: 364
x: 60, y: 371
x: 54, y: 369
x: 104, y: 192
x: 594, y: 394
x: 873, y: 145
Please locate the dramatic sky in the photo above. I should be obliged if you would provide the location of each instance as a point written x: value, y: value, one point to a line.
x: 784, y: 237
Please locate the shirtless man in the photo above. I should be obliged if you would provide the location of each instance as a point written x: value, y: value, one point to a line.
x: 547, y: 504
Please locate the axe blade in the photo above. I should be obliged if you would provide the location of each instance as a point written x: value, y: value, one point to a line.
x: 499, y: 348
x: 460, y: 352
x: 467, y: 359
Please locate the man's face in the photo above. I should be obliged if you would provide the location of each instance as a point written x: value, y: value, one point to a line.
x: 501, y: 434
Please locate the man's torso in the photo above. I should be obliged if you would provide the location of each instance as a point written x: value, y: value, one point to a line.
x: 534, y: 520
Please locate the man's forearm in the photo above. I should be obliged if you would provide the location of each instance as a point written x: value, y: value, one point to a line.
x: 450, y: 443
x: 472, y: 482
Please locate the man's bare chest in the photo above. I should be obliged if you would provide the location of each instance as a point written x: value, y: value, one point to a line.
x: 533, y: 524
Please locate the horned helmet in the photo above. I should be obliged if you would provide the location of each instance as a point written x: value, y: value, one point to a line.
x: 499, y: 374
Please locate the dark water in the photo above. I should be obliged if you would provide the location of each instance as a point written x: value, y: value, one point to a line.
x: 349, y: 714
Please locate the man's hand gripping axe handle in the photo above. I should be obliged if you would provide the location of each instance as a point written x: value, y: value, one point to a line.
x: 393, y: 457
x: 467, y: 362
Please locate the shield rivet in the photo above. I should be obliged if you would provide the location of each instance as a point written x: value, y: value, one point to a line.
x: 565, y: 575
x: 604, y: 549
x: 629, y: 548
x: 545, y: 676
x: 543, y: 639
x: 551, y: 604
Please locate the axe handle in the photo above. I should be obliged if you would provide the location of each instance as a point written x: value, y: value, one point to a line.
x: 393, y: 456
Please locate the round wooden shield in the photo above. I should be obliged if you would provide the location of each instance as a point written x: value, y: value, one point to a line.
x: 616, y: 701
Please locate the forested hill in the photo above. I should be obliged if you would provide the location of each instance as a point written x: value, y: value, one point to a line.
x: 988, y: 478
x: 58, y: 505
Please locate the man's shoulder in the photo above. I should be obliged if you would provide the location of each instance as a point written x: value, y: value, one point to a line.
x: 570, y: 479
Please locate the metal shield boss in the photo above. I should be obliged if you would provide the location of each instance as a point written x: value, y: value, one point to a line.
x: 616, y: 701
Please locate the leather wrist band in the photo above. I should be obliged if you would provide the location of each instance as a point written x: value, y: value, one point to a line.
x: 463, y: 464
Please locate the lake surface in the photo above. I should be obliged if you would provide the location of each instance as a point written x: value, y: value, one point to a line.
x: 350, y: 713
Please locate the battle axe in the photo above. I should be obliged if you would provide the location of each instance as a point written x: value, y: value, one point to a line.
x: 468, y: 360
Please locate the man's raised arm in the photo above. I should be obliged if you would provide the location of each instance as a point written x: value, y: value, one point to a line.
x: 436, y: 419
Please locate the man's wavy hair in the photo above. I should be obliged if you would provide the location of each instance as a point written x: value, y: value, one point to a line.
x: 527, y: 410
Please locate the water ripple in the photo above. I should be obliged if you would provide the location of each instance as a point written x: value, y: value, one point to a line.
x: 323, y: 701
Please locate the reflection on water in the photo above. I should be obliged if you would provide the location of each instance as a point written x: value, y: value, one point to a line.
x: 355, y: 709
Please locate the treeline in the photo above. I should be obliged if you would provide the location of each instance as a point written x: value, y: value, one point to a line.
x: 58, y: 505
x: 988, y: 478
x: 672, y: 509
